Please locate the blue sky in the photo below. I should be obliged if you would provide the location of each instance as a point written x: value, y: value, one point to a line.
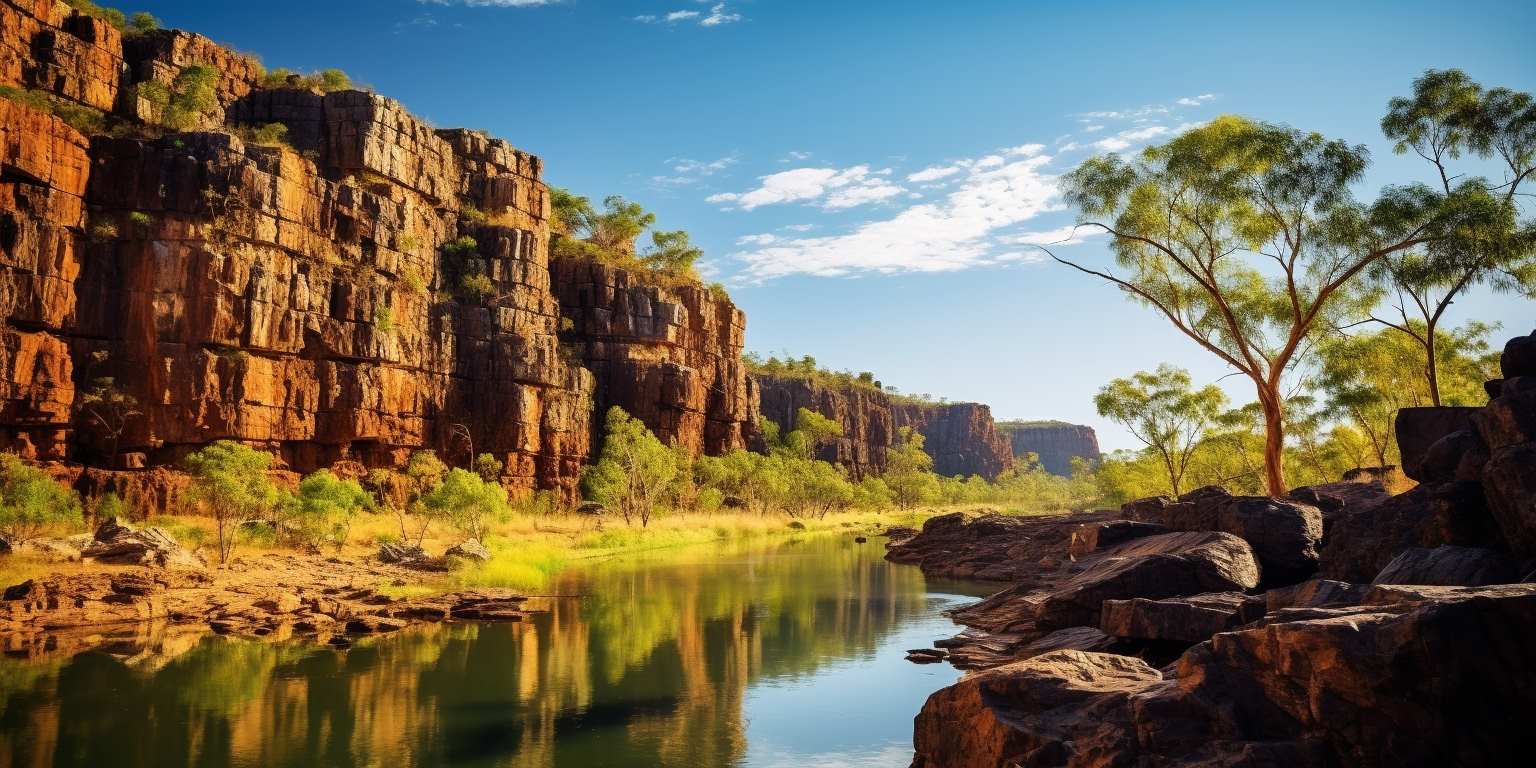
x: 867, y: 176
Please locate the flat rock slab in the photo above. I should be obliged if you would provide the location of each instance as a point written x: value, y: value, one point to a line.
x: 1179, y: 619
x: 1155, y: 567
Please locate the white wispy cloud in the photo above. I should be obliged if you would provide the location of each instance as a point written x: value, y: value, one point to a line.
x: 1127, y: 138
x: 718, y: 14
x: 687, y: 171
x: 964, y: 229
x: 795, y: 156
x: 934, y: 173
x: 836, y: 188
x: 1067, y: 235
x: 1195, y: 101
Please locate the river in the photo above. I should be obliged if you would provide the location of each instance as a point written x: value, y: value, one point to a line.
x: 782, y: 655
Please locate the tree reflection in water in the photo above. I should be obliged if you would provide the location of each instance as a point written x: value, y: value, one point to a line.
x: 652, y: 665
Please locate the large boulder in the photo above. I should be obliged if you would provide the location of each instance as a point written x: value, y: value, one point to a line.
x: 1426, y: 676
x: 1450, y: 566
x: 1284, y: 535
x: 1032, y: 712
x: 119, y: 543
x: 1509, y: 483
x: 1362, y: 542
x: 1155, y: 567
x: 989, y: 546
x: 1091, y: 537
x: 1519, y: 357
x: 1420, y: 428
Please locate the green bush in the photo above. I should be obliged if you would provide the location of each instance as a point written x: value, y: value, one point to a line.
x: 327, y: 81
x: 468, y: 502
x: 326, y: 506
x: 230, y: 483
x: 477, y: 286
x: 31, y: 500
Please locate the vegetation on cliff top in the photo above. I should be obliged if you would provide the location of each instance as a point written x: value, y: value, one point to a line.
x: 806, y: 368
x: 582, y: 231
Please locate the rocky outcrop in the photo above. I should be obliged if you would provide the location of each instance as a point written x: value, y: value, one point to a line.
x: 119, y: 543
x: 1285, y: 535
x: 48, y: 46
x: 994, y: 547
x: 961, y: 437
x: 1056, y: 443
x: 667, y: 353
x: 1417, y: 679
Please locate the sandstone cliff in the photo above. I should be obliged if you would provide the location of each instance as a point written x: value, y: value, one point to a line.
x: 961, y: 437
x: 1055, y: 442
x: 310, y: 299
x: 669, y: 354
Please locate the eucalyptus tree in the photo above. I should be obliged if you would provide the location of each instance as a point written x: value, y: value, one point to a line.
x: 1245, y: 236
x: 1449, y: 117
x: 1163, y: 410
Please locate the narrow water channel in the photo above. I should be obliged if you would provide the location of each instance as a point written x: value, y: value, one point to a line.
x: 789, y: 655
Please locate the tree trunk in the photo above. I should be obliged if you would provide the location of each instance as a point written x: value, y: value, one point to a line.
x: 1274, y: 440
x: 1431, y: 369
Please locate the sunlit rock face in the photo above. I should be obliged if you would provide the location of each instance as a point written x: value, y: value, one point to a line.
x: 297, y: 299
x: 667, y: 353
x: 1055, y: 443
x: 961, y: 437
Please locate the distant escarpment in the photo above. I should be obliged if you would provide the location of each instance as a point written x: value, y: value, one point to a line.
x: 960, y: 437
x: 1055, y: 442
x: 314, y: 272
x: 667, y: 353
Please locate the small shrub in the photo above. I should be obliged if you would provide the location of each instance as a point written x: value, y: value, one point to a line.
x: 470, y: 503
x: 141, y: 221
x: 413, y: 280
x: 407, y: 242
x: 141, y: 23
x: 477, y: 286
x: 326, y: 81
x: 383, y: 317
x: 230, y: 483
x: 463, y: 247
x: 473, y: 215
x: 30, y: 500
x: 102, y: 229
x: 110, y: 15
x: 325, y: 509
x: 266, y: 135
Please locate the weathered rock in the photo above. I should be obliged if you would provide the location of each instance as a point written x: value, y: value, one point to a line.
x: 1509, y: 481
x: 1419, y: 428
x: 117, y: 542
x: 988, y: 547
x: 1361, y: 542
x: 1519, y: 357
x: 1284, y: 535
x: 1169, y: 565
x: 1431, y: 678
x: 668, y: 354
x: 1449, y: 566
x: 962, y: 437
x: 1316, y: 593
x: 1337, y: 499
x: 1055, y: 443
x: 1091, y: 537
x: 469, y: 550
x: 1179, y: 619
x: 1031, y: 712
x: 396, y: 554
x: 1148, y: 510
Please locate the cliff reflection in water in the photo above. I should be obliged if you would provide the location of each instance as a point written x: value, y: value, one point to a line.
x: 652, y: 666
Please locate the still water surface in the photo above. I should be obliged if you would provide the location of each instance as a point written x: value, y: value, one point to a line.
x: 783, y: 656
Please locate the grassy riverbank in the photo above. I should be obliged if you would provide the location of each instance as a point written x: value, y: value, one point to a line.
x: 528, y: 551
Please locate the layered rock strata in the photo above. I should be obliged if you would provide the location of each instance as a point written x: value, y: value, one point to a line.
x: 669, y: 355
x: 1055, y: 443
x: 961, y: 437
x: 372, y: 287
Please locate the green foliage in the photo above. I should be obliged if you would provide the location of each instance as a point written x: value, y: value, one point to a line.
x: 31, y: 500
x: 1477, y: 237
x: 633, y: 470
x: 383, y: 317
x: 1163, y: 410
x: 671, y: 252
x: 909, y: 471
x: 267, y: 135
x: 468, y: 502
x: 326, y: 506
x: 109, y: 505
x: 476, y: 286
x: 142, y: 22
x: 488, y: 467
x: 87, y: 120
x: 141, y: 221
x: 461, y: 248
x: 110, y: 15
x: 230, y: 484
x: 106, y: 408
x: 568, y: 212
x: 326, y: 81
x: 193, y: 97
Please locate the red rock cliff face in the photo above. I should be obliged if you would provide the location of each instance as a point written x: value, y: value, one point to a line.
x: 668, y: 355
x: 960, y: 437
x: 300, y: 303
x: 1055, y: 443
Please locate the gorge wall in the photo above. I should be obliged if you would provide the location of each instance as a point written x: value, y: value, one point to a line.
x: 1055, y: 442
x: 960, y: 437
x: 301, y: 298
